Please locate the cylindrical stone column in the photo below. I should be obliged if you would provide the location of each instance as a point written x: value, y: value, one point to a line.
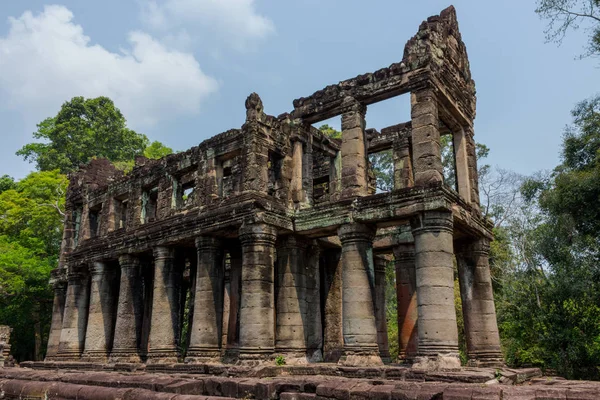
x: 163, y: 343
x: 72, y: 336
x: 130, y: 312
x: 314, y: 323
x: 479, y: 311
x: 292, y: 312
x: 438, y: 332
x: 380, y: 309
x: 235, y: 286
x: 333, y: 337
x: 226, y: 308
x: 257, y: 313
x: 406, y: 295
x: 205, y: 339
x: 358, y: 284
x: 100, y: 328
x: 58, y: 308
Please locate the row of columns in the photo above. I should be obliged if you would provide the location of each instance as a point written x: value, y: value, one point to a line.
x: 285, y: 318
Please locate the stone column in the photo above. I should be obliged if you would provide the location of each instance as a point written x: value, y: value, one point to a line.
x: 333, y: 338
x: 314, y: 325
x: 463, y: 182
x: 426, y: 137
x: 101, y: 315
x: 163, y: 344
x: 130, y: 312
x: 354, y: 150
x: 58, y: 308
x: 358, y: 310
x: 406, y: 295
x: 72, y: 336
x: 479, y: 312
x: 380, y: 309
x: 291, y: 313
x: 235, y: 278
x: 205, y: 339
x: 471, y: 153
x: 403, y: 171
x: 298, y: 194
x: 438, y: 333
x: 257, y: 313
x: 226, y: 308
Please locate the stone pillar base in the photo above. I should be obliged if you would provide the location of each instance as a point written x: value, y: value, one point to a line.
x: 360, y: 357
x: 126, y: 357
x: 486, y: 360
x: 299, y: 356
x: 197, y: 355
x: 441, y: 362
x: 249, y: 356
x: 94, y: 357
x: 163, y: 357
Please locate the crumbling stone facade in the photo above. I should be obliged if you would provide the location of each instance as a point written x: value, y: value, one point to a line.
x: 268, y: 240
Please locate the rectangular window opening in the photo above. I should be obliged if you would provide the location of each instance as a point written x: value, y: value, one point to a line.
x: 94, y: 218
x: 274, y: 165
x: 448, y: 161
x: 149, y: 204
x: 381, y: 172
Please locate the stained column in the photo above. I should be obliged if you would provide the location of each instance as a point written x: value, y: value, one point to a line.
x: 292, y: 312
x: 257, y: 314
x: 406, y: 295
x: 235, y: 285
x: 426, y: 137
x: 358, y: 310
x: 438, y: 333
x: 163, y: 343
x: 101, y: 315
x: 354, y: 150
x: 130, y: 312
x: 380, y: 309
x: 72, y: 336
x: 58, y: 308
x: 479, y: 312
x: 333, y: 338
x: 205, y: 339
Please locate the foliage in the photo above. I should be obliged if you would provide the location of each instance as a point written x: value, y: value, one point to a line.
x: 83, y: 129
x: 280, y: 360
x: 331, y: 132
x: 157, y: 150
x: 565, y: 15
x: 548, y: 295
x: 30, y: 235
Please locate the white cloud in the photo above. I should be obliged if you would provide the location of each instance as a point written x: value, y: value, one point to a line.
x: 46, y: 59
x: 237, y: 22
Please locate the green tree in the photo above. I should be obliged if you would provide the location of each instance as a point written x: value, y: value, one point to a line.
x: 565, y: 15
x: 83, y: 129
x: 549, y: 299
x: 31, y: 214
x: 157, y: 150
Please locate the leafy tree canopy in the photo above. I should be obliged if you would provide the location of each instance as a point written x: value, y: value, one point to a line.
x: 30, y: 235
x: 83, y: 129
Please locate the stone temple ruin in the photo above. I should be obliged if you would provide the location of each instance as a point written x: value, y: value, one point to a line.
x: 270, y: 239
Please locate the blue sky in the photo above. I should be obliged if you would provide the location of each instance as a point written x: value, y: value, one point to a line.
x: 180, y: 70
